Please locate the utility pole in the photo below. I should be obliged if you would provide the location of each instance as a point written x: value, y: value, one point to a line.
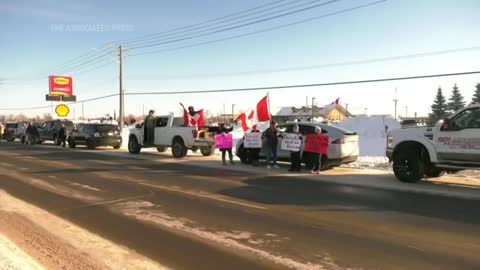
x: 121, y: 109
x: 224, y: 113
x: 395, y: 100
x: 346, y: 107
x: 313, y: 100
x: 233, y: 111
x: 406, y: 111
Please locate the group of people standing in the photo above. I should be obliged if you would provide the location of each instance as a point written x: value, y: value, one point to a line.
x: 270, y: 141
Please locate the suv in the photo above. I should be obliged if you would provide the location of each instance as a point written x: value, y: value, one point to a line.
x: 49, y: 130
x: 13, y: 131
x: 450, y: 146
x: 94, y: 135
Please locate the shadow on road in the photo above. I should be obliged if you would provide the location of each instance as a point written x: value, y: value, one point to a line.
x: 324, y: 196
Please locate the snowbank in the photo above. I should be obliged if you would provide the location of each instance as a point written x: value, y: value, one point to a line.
x: 371, y: 131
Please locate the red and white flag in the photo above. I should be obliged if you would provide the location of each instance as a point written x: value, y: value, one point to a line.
x: 252, y: 117
x: 336, y: 102
x: 198, y: 120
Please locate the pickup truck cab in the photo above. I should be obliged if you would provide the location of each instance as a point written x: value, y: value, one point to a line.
x: 170, y: 132
x: 450, y: 146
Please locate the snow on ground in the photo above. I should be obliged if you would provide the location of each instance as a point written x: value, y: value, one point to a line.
x: 12, y: 258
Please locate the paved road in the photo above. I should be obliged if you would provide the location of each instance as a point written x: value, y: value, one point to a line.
x: 191, y: 217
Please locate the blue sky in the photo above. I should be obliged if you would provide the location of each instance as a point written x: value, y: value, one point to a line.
x: 31, y: 45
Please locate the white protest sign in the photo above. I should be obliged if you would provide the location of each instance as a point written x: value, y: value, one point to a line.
x: 253, y: 140
x: 291, y: 142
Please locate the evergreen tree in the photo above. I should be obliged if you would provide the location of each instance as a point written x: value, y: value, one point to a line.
x: 476, y: 95
x: 456, y: 100
x: 439, y: 107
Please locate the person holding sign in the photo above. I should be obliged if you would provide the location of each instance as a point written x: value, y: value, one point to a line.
x: 295, y: 158
x: 253, y: 150
x: 226, y: 143
x: 317, y: 145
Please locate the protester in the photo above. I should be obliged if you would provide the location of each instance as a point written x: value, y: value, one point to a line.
x: 29, y: 134
x: 192, y: 111
x: 150, y: 127
x: 35, y: 134
x: 224, y: 130
x: 323, y: 148
x: 62, y: 135
x: 254, y: 153
x: 295, y: 158
x: 270, y: 139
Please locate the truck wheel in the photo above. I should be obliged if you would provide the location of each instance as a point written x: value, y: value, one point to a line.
x: 178, y: 149
x: 91, y: 145
x: 242, y: 153
x: 408, y: 166
x: 10, y: 139
x: 207, y: 151
x: 195, y: 149
x: 161, y: 149
x: 133, y: 146
x: 117, y: 146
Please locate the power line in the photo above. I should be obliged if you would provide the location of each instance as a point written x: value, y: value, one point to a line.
x: 337, y: 64
x: 307, y: 85
x: 212, y: 22
x: 262, y: 88
x: 233, y: 27
x: 229, y: 22
x: 259, y: 31
x: 197, y: 24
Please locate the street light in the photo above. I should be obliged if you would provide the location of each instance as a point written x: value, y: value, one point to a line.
x: 313, y: 99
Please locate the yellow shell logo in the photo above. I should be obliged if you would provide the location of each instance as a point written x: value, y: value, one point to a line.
x: 62, y: 110
x: 61, y: 80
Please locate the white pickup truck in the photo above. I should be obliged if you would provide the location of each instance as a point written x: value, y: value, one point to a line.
x: 451, y: 146
x: 170, y: 132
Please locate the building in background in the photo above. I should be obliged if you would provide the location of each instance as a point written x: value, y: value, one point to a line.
x: 331, y: 113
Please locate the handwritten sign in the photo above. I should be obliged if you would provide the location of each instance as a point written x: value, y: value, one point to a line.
x: 316, y: 143
x: 223, y: 141
x: 253, y: 140
x: 291, y: 142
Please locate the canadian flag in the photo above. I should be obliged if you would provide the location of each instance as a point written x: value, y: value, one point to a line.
x: 253, y: 116
x: 198, y: 120
x: 336, y: 102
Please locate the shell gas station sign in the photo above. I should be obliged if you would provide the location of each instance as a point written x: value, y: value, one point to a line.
x: 62, y: 110
x: 60, y: 88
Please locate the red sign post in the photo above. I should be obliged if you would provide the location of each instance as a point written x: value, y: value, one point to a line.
x: 60, y: 85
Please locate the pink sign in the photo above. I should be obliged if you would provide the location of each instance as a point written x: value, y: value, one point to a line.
x: 223, y: 141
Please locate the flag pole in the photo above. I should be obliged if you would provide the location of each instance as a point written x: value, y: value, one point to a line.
x: 268, y: 101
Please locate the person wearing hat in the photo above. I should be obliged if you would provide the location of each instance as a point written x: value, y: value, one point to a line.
x: 317, y: 157
x: 295, y: 158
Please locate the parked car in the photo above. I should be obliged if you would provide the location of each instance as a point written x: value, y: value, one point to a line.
x: 170, y: 132
x: 11, y: 131
x: 49, y: 130
x: 95, y: 135
x: 343, y: 145
x: 450, y: 146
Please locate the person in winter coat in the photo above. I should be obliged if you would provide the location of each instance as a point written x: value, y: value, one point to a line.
x: 323, y: 148
x: 254, y: 153
x: 62, y: 135
x: 150, y: 127
x: 224, y: 130
x: 295, y: 158
x: 270, y: 140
